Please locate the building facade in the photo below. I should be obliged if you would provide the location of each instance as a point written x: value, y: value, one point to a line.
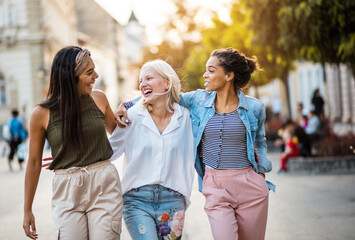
x: 336, y: 85
x: 32, y: 31
x: 133, y: 41
x: 341, y: 97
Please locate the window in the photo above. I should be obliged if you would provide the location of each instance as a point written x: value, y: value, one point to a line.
x: 2, y: 90
x: 12, y: 15
x: 1, y: 14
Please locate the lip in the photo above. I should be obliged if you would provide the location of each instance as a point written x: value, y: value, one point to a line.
x: 146, y: 92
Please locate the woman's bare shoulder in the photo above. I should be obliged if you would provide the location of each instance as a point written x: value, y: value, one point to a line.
x: 40, y: 111
x: 40, y: 115
x: 96, y: 93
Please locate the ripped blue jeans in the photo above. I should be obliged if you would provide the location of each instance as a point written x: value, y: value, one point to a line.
x: 154, y: 212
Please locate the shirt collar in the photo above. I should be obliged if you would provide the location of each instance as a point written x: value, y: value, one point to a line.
x: 148, y: 121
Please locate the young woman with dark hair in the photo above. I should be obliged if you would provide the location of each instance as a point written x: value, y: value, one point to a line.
x: 87, y: 199
x: 228, y: 129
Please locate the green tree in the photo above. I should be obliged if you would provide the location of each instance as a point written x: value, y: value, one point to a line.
x: 194, y: 66
x: 182, y: 33
x: 276, y: 59
x: 321, y: 31
x: 239, y: 34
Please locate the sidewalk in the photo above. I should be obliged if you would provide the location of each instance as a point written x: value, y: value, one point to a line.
x: 320, y: 207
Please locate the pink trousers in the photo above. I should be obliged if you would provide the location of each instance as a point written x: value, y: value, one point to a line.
x: 236, y: 203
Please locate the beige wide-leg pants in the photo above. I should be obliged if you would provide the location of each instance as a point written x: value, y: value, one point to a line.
x: 87, y: 202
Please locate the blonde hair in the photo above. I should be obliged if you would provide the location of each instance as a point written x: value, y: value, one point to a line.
x: 168, y: 73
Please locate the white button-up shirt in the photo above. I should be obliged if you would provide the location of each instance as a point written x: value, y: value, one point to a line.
x: 166, y: 159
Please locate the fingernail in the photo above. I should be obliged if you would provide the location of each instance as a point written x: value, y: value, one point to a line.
x: 126, y: 120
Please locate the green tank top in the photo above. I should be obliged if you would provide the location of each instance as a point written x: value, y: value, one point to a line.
x: 96, y: 146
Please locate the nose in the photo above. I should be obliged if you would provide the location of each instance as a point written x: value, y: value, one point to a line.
x: 142, y: 83
x: 96, y: 75
x: 205, y: 74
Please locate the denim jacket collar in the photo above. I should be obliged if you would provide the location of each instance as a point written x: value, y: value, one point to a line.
x: 210, y: 99
x: 242, y: 102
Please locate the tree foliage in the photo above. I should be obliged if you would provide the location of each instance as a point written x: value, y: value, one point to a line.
x: 276, y: 31
x: 321, y: 31
x: 239, y: 34
x: 182, y: 33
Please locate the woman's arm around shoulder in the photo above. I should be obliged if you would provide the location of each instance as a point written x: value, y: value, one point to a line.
x: 103, y: 104
x: 38, y: 126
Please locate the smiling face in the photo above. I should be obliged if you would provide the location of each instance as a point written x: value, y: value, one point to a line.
x: 215, y: 77
x: 87, y: 79
x: 152, y: 82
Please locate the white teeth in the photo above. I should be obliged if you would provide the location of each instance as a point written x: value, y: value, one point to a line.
x: 147, y: 91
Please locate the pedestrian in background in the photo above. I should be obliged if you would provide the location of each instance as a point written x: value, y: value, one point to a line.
x: 16, y: 135
x: 291, y: 148
x: 22, y: 148
x: 313, y: 128
x: 159, y: 157
x: 301, y: 117
x: 87, y: 200
x: 318, y: 104
x: 228, y: 128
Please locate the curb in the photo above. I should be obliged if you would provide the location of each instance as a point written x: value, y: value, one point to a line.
x: 322, y: 165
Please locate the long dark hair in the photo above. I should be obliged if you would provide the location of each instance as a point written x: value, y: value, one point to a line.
x: 233, y: 61
x: 63, y: 93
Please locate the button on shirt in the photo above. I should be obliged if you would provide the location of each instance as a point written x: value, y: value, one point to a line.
x: 166, y: 159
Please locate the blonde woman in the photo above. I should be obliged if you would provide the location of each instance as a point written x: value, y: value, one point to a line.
x: 159, y: 157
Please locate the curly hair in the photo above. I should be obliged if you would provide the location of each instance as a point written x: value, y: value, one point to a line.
x: 231, y: 60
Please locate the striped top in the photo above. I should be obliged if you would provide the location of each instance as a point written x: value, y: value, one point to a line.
x: 224, y: 143
x: 96, y: 146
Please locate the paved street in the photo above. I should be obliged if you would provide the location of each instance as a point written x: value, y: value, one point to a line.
x: 303, y: 207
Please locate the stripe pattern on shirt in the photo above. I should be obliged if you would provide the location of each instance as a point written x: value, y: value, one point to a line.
x: 224, y: 143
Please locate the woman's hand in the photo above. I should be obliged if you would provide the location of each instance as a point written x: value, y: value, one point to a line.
x: 262, y: 175
x: 29, y: 225
x: 256, y: 155
x: 121, y: 116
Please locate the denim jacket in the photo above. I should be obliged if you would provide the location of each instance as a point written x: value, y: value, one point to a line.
x: 252, y: 114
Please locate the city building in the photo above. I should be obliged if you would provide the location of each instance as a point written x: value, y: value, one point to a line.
x: 336, y: 85
x: 134, y: 41
x: 32, y: 31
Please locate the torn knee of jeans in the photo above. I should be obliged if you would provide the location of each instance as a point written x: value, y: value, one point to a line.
x: 142, y: 229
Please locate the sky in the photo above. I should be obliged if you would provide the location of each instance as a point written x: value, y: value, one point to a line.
x: 153, y: 13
